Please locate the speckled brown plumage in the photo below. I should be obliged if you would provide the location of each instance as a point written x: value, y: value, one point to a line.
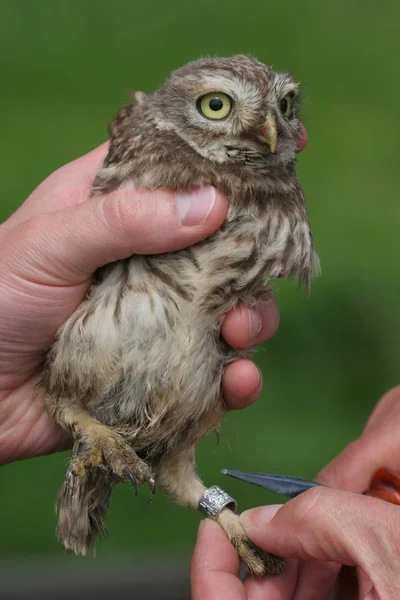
x: 135, y: 373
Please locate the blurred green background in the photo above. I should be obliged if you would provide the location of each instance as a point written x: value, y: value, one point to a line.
x: 66, y: 67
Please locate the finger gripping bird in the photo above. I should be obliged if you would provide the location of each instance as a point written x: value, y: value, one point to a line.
x: 135, y: 373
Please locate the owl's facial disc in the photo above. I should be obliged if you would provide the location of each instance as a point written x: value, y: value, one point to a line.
x: 217, y: 106
x: 233, y: 110
x: 231, y: 122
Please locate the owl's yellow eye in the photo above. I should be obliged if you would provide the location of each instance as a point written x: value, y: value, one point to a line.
x: 215, y: 105
x: 286, y: 106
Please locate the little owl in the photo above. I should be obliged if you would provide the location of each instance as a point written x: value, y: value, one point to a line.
x: 135, y: 373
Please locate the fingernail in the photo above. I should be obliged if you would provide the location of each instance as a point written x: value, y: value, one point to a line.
x: 260, y: 516
x: 255, y: 322
x: 194, y: 207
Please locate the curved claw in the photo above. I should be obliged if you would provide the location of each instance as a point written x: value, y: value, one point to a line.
x: 68, y: 475
x: 132, y: 478
x: 152, y: 485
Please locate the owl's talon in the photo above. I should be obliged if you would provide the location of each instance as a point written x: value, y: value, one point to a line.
x: 68, y: 475
x: 132, y: 479
x: 152, y: 485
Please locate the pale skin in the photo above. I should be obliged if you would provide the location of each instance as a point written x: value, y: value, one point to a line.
x: 50, y: 248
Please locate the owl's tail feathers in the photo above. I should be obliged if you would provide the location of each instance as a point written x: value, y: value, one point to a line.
x: 82, y: 506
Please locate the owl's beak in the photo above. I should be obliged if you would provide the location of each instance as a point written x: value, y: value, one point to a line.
x: 268, y: 132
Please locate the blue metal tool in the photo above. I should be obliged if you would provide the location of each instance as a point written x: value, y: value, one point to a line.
x: 285, y: 485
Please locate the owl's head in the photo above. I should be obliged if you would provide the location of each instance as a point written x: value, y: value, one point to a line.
x: 232, y: 109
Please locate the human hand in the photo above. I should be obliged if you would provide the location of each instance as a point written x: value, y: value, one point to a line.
x: 352, y: 470
x: 321, y: 529
x: 321, y: 524
x: 49, y: 249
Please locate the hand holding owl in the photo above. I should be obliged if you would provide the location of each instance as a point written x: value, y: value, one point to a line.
x: 62, y: 200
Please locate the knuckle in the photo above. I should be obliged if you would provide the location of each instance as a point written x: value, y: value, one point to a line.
x: 125, y: 210
x: 113, y: 211
x: 390, y: 401
x: 24, y: 245
x: 356, y: 450
x: 310, y: 505
x: 29, y: 231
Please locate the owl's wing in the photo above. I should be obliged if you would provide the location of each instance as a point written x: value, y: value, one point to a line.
x: 122, y: 146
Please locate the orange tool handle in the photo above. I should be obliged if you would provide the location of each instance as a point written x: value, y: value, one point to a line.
x: 385, y: 484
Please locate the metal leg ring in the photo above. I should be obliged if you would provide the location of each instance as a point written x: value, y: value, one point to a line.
x: 214, y: 500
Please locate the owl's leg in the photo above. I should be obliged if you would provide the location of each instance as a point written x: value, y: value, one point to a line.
x: 100, y: 445
x: 176, y: 474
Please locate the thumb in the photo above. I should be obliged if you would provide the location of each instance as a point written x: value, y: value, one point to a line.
x: 67, y: 246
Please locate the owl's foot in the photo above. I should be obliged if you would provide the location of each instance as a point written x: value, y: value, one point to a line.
x: 110, y: 451
x: 259, y: 562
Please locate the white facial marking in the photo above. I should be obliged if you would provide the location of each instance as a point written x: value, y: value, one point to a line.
x: 239, y: 89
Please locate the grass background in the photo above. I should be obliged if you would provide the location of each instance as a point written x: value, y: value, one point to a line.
x: 65, y: 69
